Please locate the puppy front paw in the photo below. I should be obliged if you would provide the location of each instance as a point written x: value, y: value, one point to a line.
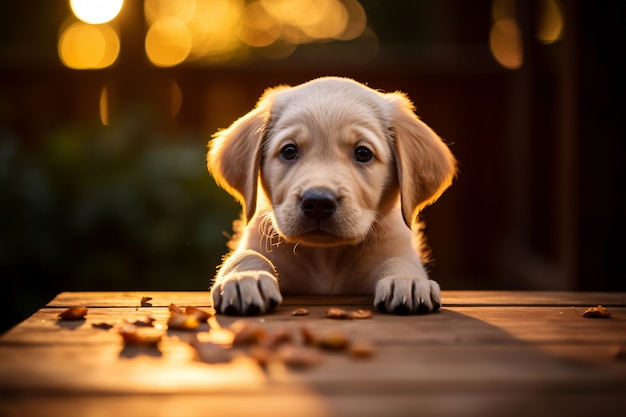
x: 404, y: 295
x: 248, y: 293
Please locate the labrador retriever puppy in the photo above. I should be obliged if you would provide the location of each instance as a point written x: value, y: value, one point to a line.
x: 331, y: 175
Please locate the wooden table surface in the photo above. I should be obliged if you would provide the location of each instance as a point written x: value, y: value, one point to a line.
x: 483, y: 354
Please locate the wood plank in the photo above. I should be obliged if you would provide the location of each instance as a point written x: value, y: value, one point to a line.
x: 534, y: 298
x: 109, y: 369
x: 479, y: 345
x: 309, y: 403
x: 450, y: 299
x: 486, y: 353
x: 453, y: 326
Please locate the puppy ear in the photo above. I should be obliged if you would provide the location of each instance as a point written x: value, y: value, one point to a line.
x: 425, y: 165
x: 234, y: 155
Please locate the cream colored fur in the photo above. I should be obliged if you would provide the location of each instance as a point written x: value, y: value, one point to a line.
x: 365, y: 243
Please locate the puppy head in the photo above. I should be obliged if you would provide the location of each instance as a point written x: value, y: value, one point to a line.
x: 332, y: 156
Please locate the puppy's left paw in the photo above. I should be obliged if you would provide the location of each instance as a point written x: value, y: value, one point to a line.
x: 404, y: 295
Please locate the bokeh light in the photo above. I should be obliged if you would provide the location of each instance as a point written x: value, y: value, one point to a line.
x: 168, y: 42
x: 176, y: 99
x: 85, y: 46
x: 223, y: 29
x: 104, y: 106
x: 357, y: 21
x: 505, y: 41
x: 505, y: 37
x: 260, y: 29
x: 551, y: 21
x: 96, y: 11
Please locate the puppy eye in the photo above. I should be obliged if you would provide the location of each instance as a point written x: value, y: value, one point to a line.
x: 289, y: 152
x: 363, y: 154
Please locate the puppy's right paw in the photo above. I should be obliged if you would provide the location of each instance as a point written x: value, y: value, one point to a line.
x: 248, y: 293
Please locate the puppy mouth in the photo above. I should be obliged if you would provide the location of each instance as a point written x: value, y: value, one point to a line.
x: 320, y: 237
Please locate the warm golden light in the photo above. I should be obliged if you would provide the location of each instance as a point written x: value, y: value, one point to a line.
x: 505, y: 37
x: 215, y: 28
x: 176, y: 97
x: 357, y: 21
x: 551, y: 21
x: 223, y: 29
x: 179, y: 9
x: 505, y: 41
x: 96, y: 11
x: 104, y: 106
x: 260, y: 29
x: 168, y: 42
x: 309, y: 19
x: 84, y: 46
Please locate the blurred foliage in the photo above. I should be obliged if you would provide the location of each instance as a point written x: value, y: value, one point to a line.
x: 109, y: 208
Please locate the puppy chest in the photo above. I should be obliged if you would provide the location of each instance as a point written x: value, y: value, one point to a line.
x: 330, y: 275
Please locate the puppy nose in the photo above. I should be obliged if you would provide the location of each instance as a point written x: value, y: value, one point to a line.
x: 318, y: 204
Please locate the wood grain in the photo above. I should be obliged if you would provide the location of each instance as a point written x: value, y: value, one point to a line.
x: 509, y: 354
x: 450, y: 298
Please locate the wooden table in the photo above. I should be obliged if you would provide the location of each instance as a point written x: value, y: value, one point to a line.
x: 484, y: 354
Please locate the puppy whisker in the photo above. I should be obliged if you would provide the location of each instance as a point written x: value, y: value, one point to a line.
x: 269, y: 237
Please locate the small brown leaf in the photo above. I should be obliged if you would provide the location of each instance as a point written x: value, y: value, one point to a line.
x: 334, y: 341
x: 598, y: 312
x: 182, y: 322
x: 102, y: 325
x: 144, y: 301
x: 246, y: 334
x: 174, y: 309
x: 336, y: 313
x: 360, y: 314
x: 276, y: 338
x: 143, y: 321
x: 300, y: 312
x: 73, y: 313
x: 146, y: 336
x: 201, y: 315
x: 308, y: 338
x: 261, y: 354
x: 299, y: 357
x: 210, y: 352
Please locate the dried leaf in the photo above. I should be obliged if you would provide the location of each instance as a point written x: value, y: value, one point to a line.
x: 73, y: 313
x: 102, y: 325
x: 144, y: 301
x: 299, y: 357
x: 144, y: 321
x: 276, y: 338
x: 201, y: 315
x: 174, y: 309
x: 360, y: 314
x: 361, y: 349
x: 246, y: 333
x: 598, y: 312
x: 210, y: 352
x: 300, y: 312
x: 182, y: 322
x: 334, y: 341
x: 336, y: 313
x: 308, y: 338
x: 146, y: 336
x: 261, y: 354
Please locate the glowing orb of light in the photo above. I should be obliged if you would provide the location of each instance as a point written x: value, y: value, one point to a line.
x: 96, y: 12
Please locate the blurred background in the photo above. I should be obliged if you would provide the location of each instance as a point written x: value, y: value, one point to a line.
x: 106, y: 107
